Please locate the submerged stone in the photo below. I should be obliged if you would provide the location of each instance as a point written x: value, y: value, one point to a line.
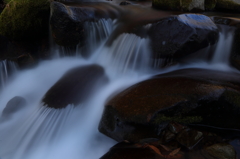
x: 187, y: 97
x: 75, y: 86
x: 14, y: 105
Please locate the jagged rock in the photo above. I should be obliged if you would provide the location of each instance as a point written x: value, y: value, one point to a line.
x: 75, y: 86
x: 184, y: 5
x: 188, y: 97
x: 178, y: 36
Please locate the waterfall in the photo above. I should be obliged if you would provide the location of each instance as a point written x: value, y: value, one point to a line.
x: 36, y: 131
x: 6, y: 69
x: 224, y: 45
x: 96, y: 32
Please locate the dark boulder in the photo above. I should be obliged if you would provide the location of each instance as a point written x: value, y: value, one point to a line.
x: 15, y: 104
x: 185, y: 96
x: 67, y: 20
x: 75, y: 86
x: 178, y: 36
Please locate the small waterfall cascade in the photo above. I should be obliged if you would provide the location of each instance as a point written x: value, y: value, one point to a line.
x: 6, y: 69
x: 126, y: 55
x: 37, y: 132
x: 223, y: 49
x: 96, y: 32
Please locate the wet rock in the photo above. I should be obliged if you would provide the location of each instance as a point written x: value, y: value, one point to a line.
x: 220, y: 151
x: 189, y: 138
x: 15, y: 104
x: 185, y: 5
x: 187, y: 97
x: 25, y: 20
x: 67, y: 20
x: 75, y: 86
x: 176, y: 37
x: 228, y: 5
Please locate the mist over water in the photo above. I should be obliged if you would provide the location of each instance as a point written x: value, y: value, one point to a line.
x: 37, y: 132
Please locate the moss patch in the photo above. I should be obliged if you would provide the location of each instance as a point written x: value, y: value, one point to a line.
x: 210, y: 4
x: 232, y: 97
x: 160, y: 118
x: 7, y: 1
x: 25, y: 19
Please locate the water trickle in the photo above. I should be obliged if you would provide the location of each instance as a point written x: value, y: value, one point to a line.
x: 128, y: 54
x: 223, y: 49
x: 6, y: 69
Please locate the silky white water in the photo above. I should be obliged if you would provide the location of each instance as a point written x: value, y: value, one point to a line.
x: 37, y: 132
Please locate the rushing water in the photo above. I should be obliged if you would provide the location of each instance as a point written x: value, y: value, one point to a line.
x: 37, y: 132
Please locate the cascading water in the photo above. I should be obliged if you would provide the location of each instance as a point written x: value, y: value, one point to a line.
x: 37, y: 132
x: 6, y: 69
x: 223, y: 49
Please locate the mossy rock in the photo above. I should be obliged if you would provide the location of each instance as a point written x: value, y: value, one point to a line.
x: 228, y: 5
x: 210, y: 4
x: 25, y: 20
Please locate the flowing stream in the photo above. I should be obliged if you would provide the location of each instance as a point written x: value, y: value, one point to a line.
x: 37, y: 132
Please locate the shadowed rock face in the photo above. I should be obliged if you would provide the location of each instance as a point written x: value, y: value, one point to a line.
x: 15, y: 104
x: 185, y: 96
x: 178, y: 36
x: 75, y: 86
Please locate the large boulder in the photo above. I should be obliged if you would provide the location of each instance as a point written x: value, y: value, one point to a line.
x: 25, y: 20
x: 75, y: 86
x: 187, y: 96
x: 67, y: 20
x: 177, y: 36
x: 182, y: 5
